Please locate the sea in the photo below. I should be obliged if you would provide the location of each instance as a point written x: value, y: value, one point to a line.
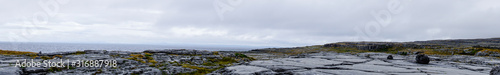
x: 62, y: 47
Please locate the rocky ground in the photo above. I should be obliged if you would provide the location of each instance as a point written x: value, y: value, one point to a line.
x: 330, y: 63
x: 149, y: 62
x: 193, y: 62
x: 438, y: 57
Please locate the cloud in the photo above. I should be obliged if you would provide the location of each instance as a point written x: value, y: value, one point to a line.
x: 250, y: 23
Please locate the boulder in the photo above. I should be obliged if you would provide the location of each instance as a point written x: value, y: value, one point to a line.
x: 389, y: 57
x: 422, y: 59
x: 495, y: 71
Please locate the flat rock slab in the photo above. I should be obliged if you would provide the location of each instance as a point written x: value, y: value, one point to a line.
x: 10, y: 71
x: 352, y: 60
x: 245, y: 70
x: 366, y: 64
x: 337, y: 57
x: 378, y: 62
x: 403, y: 62
x: 347, y: 72
x: 475, y: 68
x: 301, y: 62
x: 379, y: 68
x: 447, y: 71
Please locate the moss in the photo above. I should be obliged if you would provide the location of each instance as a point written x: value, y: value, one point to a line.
x: 33, y: 56
x: 54, y: 69
x: 244, y: 56
x: 59, y: 56
x: 136, y: 57
x: 225, y: 61
x: 209, y: 64
x: 71, y: 67
x: 46, y: 57
x: 175, y: 63
x: 216, y: 53
x: 99, y: 71
x: 152, y: 65
x: 79, y: 52
x: 114, y: 56
x: 7, y: 52
x: 241, y: 55
x: 148, y: 54
x: 152, y: 61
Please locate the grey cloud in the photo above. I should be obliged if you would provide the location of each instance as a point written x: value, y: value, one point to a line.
x: 263, y: 22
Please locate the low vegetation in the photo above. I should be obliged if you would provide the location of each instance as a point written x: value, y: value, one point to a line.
x: 392, y: 50
x: 8, y: 52
x: 79, y: 52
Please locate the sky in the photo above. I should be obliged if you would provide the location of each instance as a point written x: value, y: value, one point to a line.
x: 270, y: 23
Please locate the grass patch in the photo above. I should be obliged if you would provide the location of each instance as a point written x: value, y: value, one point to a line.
x: 59, y: 56
x: 79, y: 52
x: 225, y: 61
x: 216, y: 53
x: 148, y: 54
x: 8, y: 52
x: 136, y: 57
x: 46, y: 57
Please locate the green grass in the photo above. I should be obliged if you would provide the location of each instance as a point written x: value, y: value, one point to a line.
x: 8, y: 52
x: 78, y: 53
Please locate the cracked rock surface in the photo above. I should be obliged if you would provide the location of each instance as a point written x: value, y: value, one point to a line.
x: 328, y: 63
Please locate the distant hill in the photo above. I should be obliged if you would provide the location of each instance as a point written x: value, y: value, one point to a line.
x: 480, y: 47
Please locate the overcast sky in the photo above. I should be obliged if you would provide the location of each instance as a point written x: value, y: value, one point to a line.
x: 275, y: 23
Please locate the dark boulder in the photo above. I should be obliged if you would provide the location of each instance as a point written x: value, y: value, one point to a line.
x: 389, y: 57
x: 422, y: 59
x: 495, y: 71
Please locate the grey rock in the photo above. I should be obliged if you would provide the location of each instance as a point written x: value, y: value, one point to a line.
x: 495, y: 71
x: 495, y: 55
x: 152, y: 71
x: 422, y: 59
x: 95, y: 51
x: 10, y: 71
x: 57, y: 53
x: 120, y: 61
x: 390, y: 57
x: 482, y: 53
x: 177, y: 69
x: 119, y: 52
x: 242, y: 70
x: 137, y: 71
x: 35, y: 69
